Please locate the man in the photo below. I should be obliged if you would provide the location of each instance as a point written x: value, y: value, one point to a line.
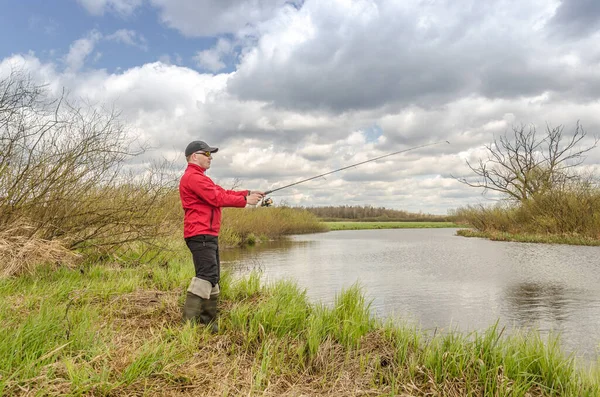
x: 202, y: 201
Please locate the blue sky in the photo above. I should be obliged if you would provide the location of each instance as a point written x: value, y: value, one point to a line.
x: 291, y: 89
x: 48, y: 28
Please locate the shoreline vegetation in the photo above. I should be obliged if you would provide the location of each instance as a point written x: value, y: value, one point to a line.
x: 340, y: 225
x: 567, y: 216
x: 548, y: 196
x: 531, y: 238
x: 111, y: 329
x: 248, y: 226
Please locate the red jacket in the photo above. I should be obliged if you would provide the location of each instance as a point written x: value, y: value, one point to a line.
x: 202, y: 201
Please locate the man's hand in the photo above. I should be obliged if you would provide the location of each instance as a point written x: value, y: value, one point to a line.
x: 254, y: 197
x: 257, y: 191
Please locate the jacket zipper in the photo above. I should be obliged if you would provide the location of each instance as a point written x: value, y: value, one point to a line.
x: 212, y: 215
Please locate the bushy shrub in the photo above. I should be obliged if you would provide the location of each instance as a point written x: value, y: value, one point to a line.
x: 574, y: 210
x: 66, y: 172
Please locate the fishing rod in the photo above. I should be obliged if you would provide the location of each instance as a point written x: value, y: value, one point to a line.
x: 267, y: 201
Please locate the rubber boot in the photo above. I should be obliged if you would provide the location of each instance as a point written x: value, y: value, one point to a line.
x: 202, y: 311
x: 209, y: 313
x: 192, y: 307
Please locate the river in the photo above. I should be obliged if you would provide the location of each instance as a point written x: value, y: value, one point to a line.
x: 437, y: 280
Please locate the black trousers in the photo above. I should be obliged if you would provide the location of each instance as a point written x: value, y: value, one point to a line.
x: 205, y: 253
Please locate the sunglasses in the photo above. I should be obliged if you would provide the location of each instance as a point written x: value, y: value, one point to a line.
x: 207, y: 154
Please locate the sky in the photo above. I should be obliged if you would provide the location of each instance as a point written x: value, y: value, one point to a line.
x: 289, y: 89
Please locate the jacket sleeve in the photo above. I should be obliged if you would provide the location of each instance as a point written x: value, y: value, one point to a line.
x: 215, y: 195
x: 242, y: 193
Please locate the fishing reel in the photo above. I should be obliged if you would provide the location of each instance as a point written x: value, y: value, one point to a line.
x: 266, y: 202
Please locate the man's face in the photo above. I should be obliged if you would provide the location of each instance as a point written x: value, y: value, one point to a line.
x: 203, y: 159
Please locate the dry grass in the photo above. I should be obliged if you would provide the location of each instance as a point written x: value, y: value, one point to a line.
x: 246, y: 226
x: 22, y: 255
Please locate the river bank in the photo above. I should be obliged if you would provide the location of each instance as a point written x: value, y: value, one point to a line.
x: 387, y: 225
x: 531, y: 237
x: 570, y: 239
x: 112, y: 329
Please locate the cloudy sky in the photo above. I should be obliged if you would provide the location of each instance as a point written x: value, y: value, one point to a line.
x: 291, y: 89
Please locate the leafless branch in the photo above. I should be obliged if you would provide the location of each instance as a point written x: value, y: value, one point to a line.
x: 523, y: 165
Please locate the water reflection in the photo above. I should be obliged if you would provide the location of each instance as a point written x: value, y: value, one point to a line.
x: 530, y: 303
x: 439, y: 280
x: 234, y: 256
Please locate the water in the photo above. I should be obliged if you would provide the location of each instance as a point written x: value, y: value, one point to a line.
x: 434, y: 279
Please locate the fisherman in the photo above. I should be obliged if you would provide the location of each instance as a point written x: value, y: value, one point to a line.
x: 202, y: 201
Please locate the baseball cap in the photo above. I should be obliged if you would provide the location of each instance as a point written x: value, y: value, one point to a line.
x: 199, y: 146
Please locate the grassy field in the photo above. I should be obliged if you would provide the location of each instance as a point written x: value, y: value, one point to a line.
x: 114, y: 329
x: 386, y: 225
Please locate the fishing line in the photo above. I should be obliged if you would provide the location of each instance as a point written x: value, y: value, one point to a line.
x: 354, y: 165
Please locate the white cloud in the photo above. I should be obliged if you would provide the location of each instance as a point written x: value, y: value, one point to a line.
x: 313, y: 151
x: 212, y: 59
x: 120, y: 7
x: 370, y: 53
x: 213, y: 17
x: 174, y: 59
x: 129, y: 37
x: 80, y: 50
x: 166, y: 59
x: 198, y: 18
x: 267, y: 147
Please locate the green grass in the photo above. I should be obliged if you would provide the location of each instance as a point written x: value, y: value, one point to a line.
x: 530, y: 238
x: 386, y: 225
x: 110, y: 329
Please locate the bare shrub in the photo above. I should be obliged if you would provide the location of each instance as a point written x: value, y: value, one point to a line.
x: 575, y: 211
x: 370, y: 213
x: 63, y: 172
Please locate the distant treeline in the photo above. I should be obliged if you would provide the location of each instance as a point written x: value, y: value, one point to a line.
x: 368, y: 213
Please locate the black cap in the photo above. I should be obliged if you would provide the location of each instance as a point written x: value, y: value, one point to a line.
x: 199, y: 146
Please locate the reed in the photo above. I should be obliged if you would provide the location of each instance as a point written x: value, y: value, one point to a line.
x: 570, y: 216
x: 249, y: 225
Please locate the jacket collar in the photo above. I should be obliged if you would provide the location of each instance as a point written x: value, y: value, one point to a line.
x: 192, y: 166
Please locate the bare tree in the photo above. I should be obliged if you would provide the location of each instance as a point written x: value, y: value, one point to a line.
x: 523, y: 165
